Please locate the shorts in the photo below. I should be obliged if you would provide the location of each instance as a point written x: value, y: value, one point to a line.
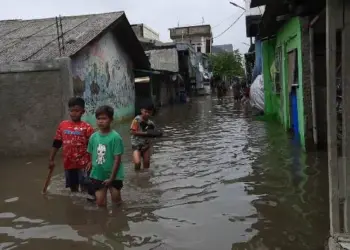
x: 74, y: 177
x: 96, y: 185
x: 141, y: 148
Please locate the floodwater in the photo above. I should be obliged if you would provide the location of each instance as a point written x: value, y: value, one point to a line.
x: 219, y: 180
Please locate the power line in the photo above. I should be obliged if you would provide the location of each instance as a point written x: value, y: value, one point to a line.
x: 230, y: 25
x: 224, y: 20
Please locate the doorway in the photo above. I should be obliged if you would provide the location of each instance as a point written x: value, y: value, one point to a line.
x: 293, y: 93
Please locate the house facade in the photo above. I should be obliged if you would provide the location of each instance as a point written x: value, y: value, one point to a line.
x: 103, y: 49
x: 200, y: 37
x: 103, y: 74
x: 285, y: 50
x: 143, y: 31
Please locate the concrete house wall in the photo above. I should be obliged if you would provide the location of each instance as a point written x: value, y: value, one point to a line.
x: 288, y: 38
x: 143, y: 31
x: 102, y: 74
x: 198, y: 36
x: 33, y: 100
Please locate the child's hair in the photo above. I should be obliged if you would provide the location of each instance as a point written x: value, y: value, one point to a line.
x: 76, y: 101
x: 105, y: 110
x: 147, y: 106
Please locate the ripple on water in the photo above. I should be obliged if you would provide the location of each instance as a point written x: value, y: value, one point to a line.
x: 219, y: 180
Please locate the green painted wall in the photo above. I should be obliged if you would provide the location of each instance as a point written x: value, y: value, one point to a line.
x: 287, y: 38
x: 272, y: 101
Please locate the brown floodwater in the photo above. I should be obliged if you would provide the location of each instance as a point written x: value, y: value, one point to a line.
x: 219, y: 180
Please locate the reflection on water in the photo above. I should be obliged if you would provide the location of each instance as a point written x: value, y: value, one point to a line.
x: 219, y: 180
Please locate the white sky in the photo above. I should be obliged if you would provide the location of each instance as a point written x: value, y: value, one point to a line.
x: 160, y: 15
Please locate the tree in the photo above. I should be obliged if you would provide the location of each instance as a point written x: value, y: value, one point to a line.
x: 227, y: 64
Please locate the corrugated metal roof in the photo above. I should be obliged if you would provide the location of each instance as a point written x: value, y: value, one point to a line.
x: 22, y: 40
x: 164, y: 59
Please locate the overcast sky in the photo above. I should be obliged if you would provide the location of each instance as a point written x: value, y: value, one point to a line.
x: 158, y: 14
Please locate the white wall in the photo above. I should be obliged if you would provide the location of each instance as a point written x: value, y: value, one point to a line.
x: 102, y: 74
x: 253, y: 11
x: 149, y: 33
x: 196, y: 41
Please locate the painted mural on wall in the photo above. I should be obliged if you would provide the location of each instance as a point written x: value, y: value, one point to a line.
x: 102, y: 75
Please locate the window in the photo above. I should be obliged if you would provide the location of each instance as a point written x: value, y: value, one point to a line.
x: 199, y: 49
x: 278, y: 72
x: 208, y: 46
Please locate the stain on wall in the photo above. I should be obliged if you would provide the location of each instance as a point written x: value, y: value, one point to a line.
x: 102, y: 75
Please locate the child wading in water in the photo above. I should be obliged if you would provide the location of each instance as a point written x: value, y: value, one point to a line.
x: 73, y: 136
x: 106, y: 149
x: 142, y: 129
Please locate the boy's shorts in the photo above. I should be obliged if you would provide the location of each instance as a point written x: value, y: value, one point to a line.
x: 97, y: 184
x: 141, y: 148
x: 74, y: 177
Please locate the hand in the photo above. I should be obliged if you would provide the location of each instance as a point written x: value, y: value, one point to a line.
x: 108, y: 182
x: 88, y: 167
x: 51, y: 164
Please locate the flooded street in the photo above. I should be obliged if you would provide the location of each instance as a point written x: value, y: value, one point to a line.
x: 219, y: 180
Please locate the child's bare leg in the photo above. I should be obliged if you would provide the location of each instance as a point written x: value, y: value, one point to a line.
x: 147, y: 158
x: 116, y: 195
x: 101, y: 197
x: 136, y: 157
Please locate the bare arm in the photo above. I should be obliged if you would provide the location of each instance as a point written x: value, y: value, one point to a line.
x: 53, y: 153
x: 57, y: 144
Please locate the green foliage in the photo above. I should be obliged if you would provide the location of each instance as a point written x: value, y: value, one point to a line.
x: 227, y: 64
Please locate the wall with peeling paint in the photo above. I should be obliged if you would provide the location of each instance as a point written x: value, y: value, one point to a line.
x: 102, y: 75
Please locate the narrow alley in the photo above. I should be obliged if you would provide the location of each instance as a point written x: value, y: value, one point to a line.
x: 219, y: 180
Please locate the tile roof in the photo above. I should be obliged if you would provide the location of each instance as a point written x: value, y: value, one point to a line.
x: 22, y: 40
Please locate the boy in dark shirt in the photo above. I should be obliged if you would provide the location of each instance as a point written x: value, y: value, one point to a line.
x: 142, y: 130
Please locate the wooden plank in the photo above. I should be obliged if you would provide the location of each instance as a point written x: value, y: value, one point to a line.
x: 346, y: 111
x: 333, y: 174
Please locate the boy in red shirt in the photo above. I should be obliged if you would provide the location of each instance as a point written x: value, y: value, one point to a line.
x: 73, y: 136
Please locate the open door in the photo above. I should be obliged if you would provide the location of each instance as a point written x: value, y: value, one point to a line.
x: 292, y: 90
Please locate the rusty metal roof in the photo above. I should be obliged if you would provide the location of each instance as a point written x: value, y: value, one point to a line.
x: 22, y: 40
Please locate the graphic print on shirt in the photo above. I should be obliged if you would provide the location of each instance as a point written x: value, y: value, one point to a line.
x: 74, y: 137
x: 101, y: 153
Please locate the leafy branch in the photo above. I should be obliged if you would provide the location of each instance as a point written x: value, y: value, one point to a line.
x: 227, y: 64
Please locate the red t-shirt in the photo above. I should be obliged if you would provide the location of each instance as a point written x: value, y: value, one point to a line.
x: 75, y: 138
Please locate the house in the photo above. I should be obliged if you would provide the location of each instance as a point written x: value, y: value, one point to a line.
x: 199, y: 36
x: 254, y: 55
x: 306, y: 51
x: 164, y: 60
x: 143, y: 31
x: 147, y: 36
x: 179, y: 67
x: 100, y: 54
x: 103, y: 49
x: 285, y: 47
